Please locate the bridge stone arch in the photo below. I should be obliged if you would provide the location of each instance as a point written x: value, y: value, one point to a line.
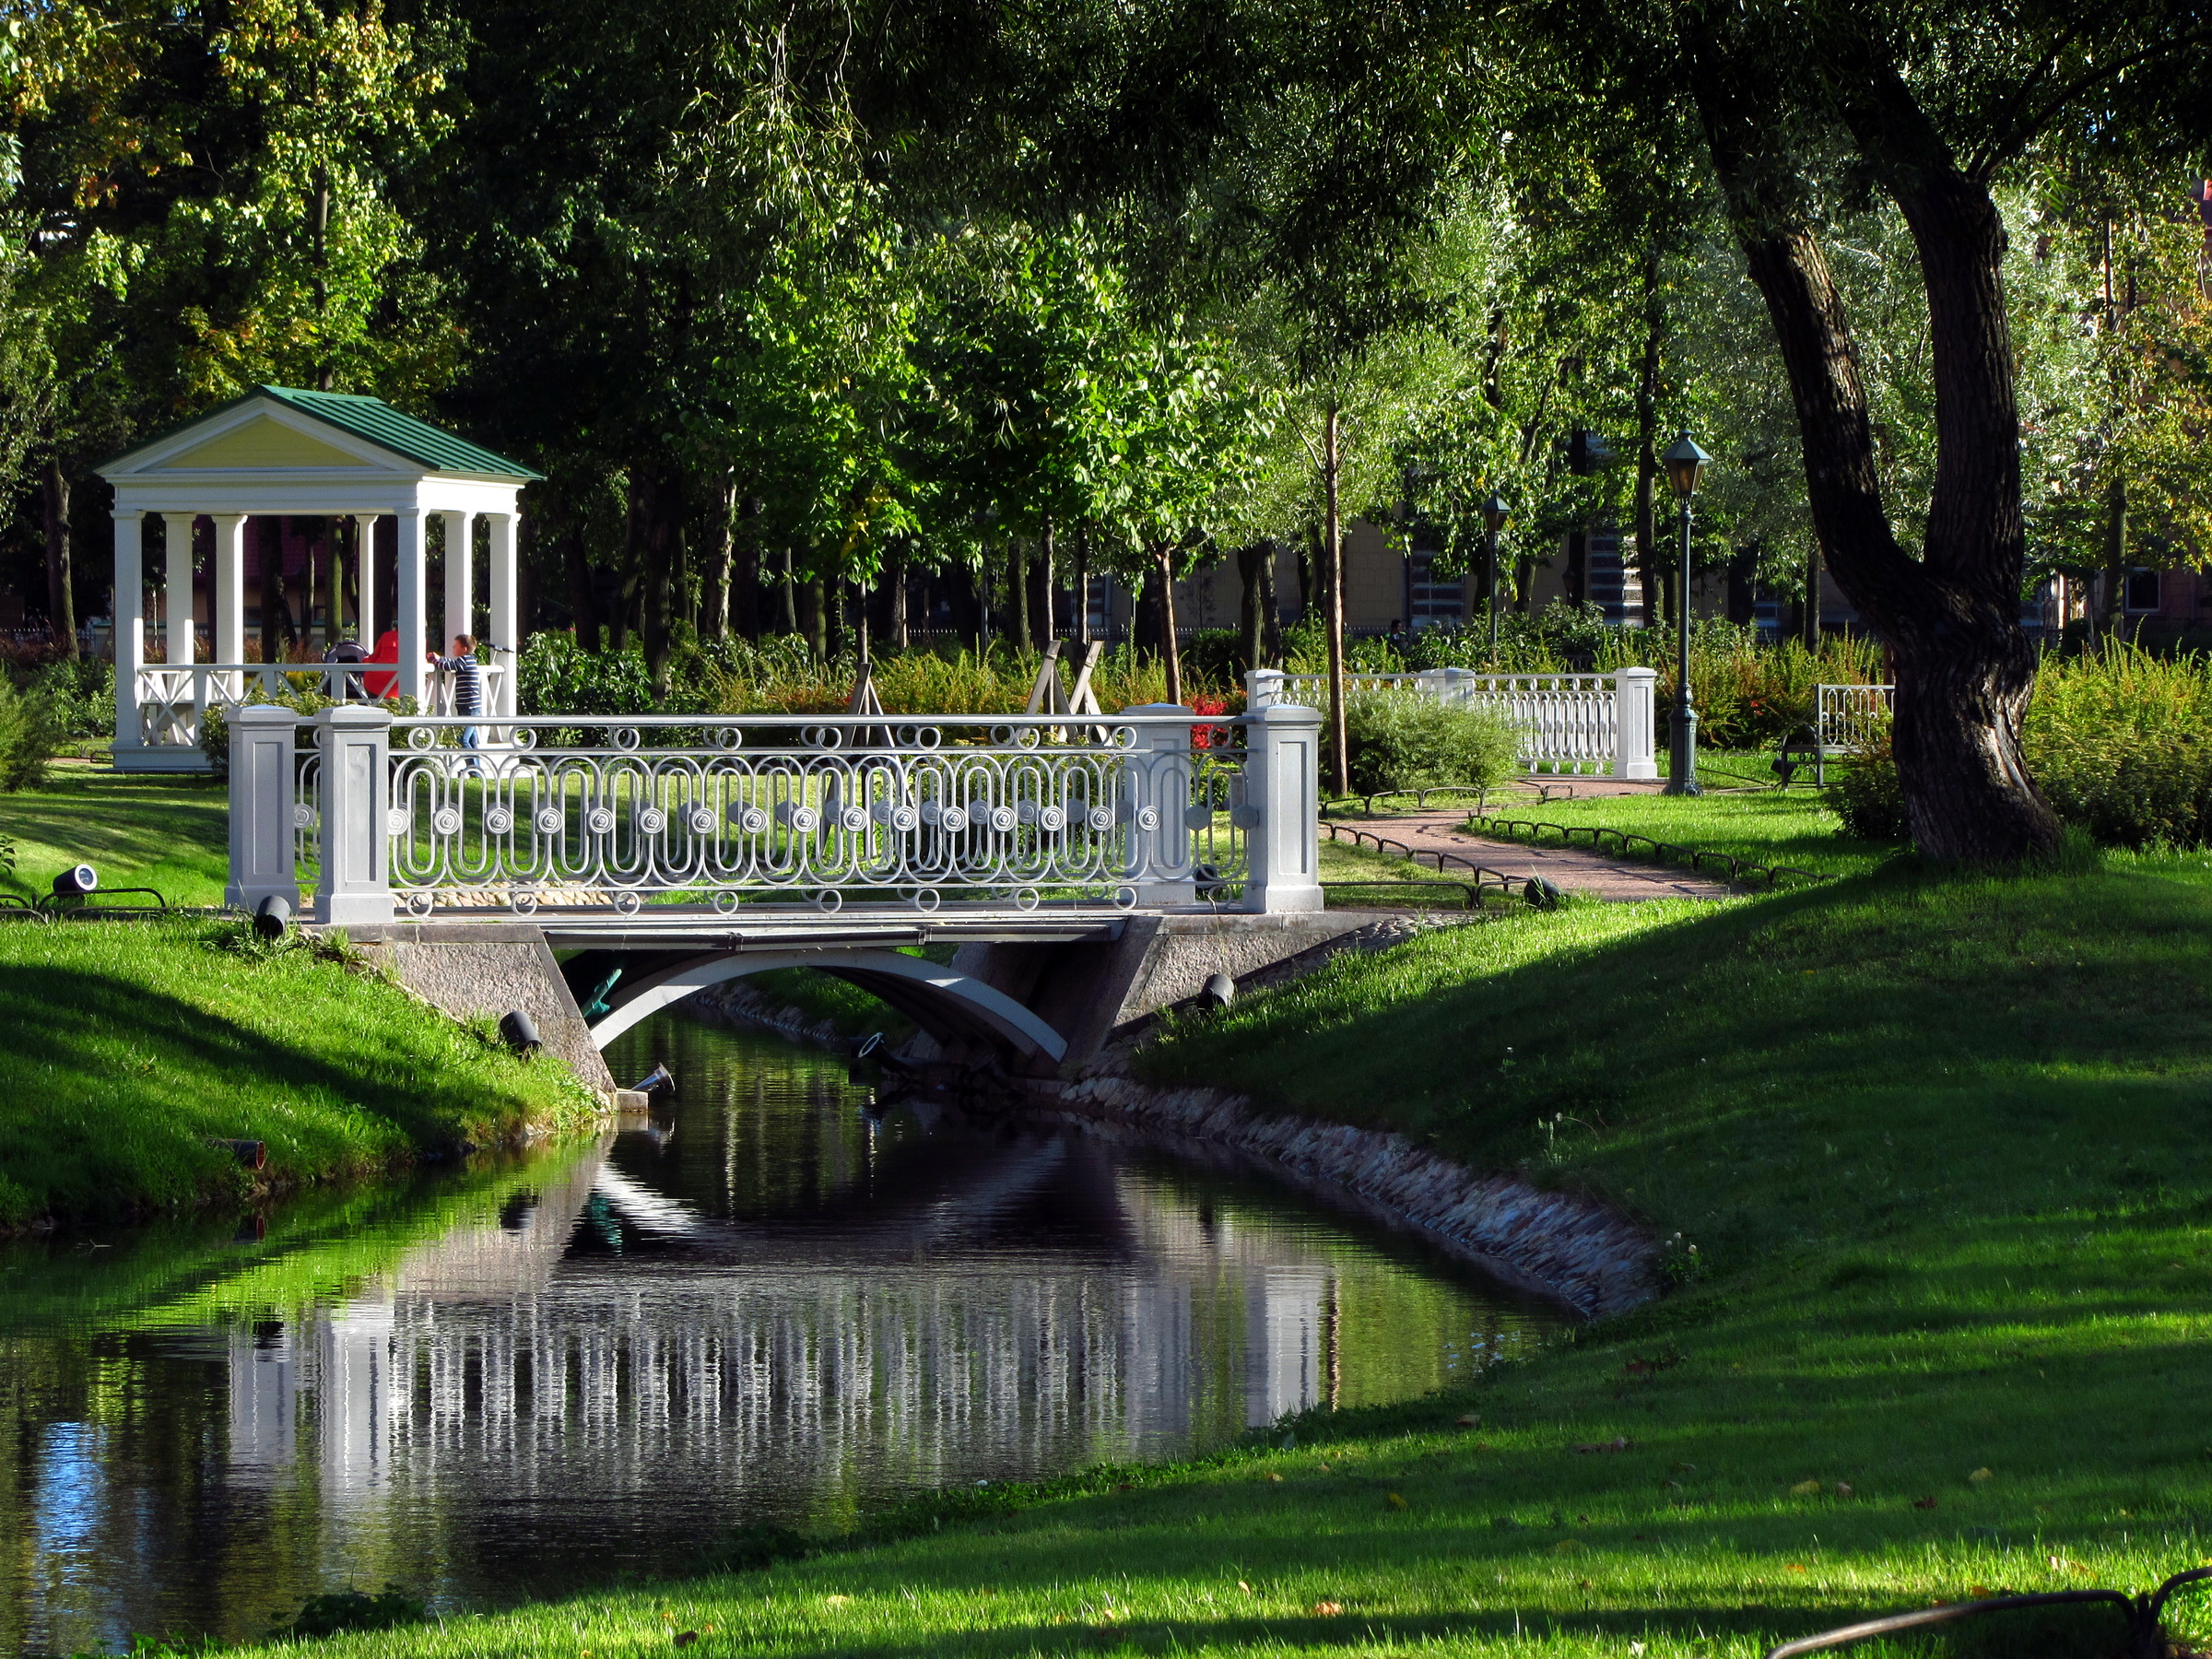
x: 947, y: 1003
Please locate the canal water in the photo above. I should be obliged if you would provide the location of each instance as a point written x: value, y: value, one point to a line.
x: 767, y: 1306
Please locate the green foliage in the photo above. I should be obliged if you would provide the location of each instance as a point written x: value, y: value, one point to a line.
x: 1867, y: 798
x: 2119, y: 741
x: 344, y: 1610
x: 1404, y: 740
x: 82, y: 690
x: 31, y: 730
x: 557, y: 675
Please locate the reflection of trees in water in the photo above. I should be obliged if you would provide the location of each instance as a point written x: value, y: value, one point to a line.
x: 634, y: 1356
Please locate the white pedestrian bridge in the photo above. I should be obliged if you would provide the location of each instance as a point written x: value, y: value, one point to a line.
x: 688, y: 849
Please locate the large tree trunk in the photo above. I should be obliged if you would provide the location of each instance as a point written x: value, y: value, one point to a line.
x: 275, y: 622
x: 1332, y: 584
x: 61, y: 587
x: 714, y: 608
x: 1017, y: 595
x: 656, y: 513
x: 1040, y: 587
x: 583, y: 602
x: 1652, y: 566
x: 814, y: 620
x: 1252, y: 561
x: 745, y: 581
x: 1081, y: 577
x: 2114, y: 621
x: 1170, y: 648
x: 1964, y: 669
x: 895, y: 574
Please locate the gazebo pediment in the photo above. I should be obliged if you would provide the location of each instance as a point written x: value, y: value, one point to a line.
x: 260, y: 443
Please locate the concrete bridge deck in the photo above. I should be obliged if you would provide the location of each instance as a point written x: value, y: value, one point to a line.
x: 702, y: 927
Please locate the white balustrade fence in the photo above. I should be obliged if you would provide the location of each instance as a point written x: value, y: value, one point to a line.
x: 1145, y: 808
x: 1573, y: 723
x: 1850, y: 720
x: 171, y: 699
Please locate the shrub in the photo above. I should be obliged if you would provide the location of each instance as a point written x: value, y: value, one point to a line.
x: 2119, y: 741
x: 30, y: 731
x: 1404, y: 740
x: 1867, y: 798
x: 557, y: 675
x: 83, y: 693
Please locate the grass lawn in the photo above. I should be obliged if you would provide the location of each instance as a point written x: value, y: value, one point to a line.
x: 1941, y: 1142
x: 171, y: 834
x: 1768, y: 826
x: 129, y: 1048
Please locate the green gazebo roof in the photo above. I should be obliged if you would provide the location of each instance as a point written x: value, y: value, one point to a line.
x: 376, y: 421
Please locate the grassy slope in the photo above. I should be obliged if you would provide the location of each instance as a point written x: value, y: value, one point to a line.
x: 127, y: 1047
x: 166, y: 833
x: 1941, y: 1142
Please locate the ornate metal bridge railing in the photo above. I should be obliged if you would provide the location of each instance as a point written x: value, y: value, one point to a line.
x: 1154, y: 806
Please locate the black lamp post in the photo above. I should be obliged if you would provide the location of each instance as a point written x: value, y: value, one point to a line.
x: 1684, y: 461
x: 1494, y: 514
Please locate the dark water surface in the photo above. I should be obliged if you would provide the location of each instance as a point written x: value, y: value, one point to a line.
x: 764, y: 1307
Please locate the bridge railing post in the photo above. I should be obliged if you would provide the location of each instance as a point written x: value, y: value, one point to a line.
x: 1282, y: 786
x: 262, y: 859
x: 1159, y: 803
x: 355, y: 884
x: 1635, y: 723
x: 1263, y: 688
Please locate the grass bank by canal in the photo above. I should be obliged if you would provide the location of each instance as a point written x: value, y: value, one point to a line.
x: 130, y: 1052
x: 1941, y: 1142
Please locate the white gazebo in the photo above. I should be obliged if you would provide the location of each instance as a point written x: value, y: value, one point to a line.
x: 280, y: 452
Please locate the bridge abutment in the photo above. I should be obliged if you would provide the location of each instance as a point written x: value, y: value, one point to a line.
x: 1094, y: 992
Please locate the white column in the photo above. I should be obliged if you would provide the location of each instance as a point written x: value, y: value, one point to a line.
x: 460, y: 579
x: 1263, y: 688
x: 413, y: 558
x: 229, y: 587
x: 1635, y: 723
x: 364, y: 615
x: 178, y: 611
x: 130, y: 628
x: 1280, y: 814
x: 263, y: 776
x: 506, y: 629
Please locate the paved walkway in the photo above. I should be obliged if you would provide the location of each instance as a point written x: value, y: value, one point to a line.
x: 1574, y: 870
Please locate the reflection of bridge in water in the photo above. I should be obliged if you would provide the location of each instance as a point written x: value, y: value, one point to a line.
x: 613, y: 1350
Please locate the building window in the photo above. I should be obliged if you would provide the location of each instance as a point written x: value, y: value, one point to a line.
x: 2143, y: 590
x: 1431, y: 600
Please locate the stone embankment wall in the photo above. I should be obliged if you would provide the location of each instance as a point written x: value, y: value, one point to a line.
x: 1559, y: 1245
x: 739, y: 1004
